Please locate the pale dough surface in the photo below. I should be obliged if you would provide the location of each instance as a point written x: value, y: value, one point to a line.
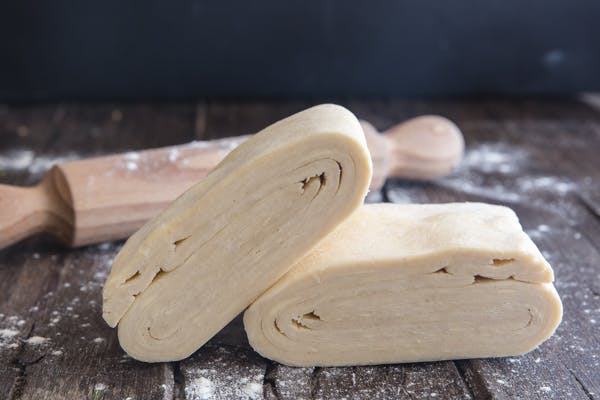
x: 189, y: 271
x: 406, y: 283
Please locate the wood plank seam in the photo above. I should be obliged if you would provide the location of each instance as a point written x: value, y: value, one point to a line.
x: 20, y: 379
x: 464, y: 379
x: 269, y: 381
x: 585, y: 389
x: 314, y: 382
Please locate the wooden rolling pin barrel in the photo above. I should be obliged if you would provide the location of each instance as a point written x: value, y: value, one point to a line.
x: 106, y: 198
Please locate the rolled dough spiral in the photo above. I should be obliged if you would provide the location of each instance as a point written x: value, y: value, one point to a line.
x: 407, y: 283
x: 193, y: 268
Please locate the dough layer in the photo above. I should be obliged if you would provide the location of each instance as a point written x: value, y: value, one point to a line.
x: 407, y: 283
x: 189, y: 271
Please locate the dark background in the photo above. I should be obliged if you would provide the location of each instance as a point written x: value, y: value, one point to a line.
x: 81, y: 50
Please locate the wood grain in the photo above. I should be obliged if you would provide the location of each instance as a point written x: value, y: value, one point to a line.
x: 57, y: 293
x: 537, y: 156
x: 544, y: 188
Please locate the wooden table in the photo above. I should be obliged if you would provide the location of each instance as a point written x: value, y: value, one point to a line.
x: 540, y: 157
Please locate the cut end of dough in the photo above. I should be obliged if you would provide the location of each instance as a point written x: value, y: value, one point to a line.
x: 409, y: 283
x: 189, y: 271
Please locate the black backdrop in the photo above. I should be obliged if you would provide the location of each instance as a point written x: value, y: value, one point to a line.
x: 60, y: 49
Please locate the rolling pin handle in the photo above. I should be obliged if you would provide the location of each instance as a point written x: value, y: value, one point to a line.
x: 25, y: 211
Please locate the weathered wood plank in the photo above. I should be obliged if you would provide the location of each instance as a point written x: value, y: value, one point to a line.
x: 64, y: 348
x: 536, y: 163
x: 409, y: 381
x: 24, y: 279
x: 32, y: 138
x: 76, y: 355
x: 535, y: 156
x: 223, y: 372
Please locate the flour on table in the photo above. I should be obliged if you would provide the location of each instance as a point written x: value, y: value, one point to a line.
x: 494, y: 157
x: 253, y: 390
x: 72, y: 308
x: 100, y: 387
x: 15, y: 160
x: 545, y: 183
x: 36, y: 340
x: 200, y: 388
x: 223, y: 373
x: 10, y: 331
x: 494, y: 171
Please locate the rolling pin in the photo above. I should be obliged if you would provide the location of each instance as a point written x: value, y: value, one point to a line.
x: 105, y: 198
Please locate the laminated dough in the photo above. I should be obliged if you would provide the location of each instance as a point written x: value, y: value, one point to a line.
x: 408, y: 283
x: 189, y: 271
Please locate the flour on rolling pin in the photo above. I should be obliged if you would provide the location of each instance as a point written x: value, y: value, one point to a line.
x: 196, y: 156
x: 139, y: 184
x: 106, y: 198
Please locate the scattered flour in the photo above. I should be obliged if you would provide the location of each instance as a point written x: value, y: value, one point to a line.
x: 132, y: 156
x: 27, y: 160
x: 151, y: 164
x: 10, y: 330
x: 15, y: 160
x: 219, y: 372
x: 494, y: 157
x: 200, y: 389
x: 543, y: 228
x: 70, y: 305
x: 545, y: 183
x: 36, y: 340
x: 173, y: 154
x: 253, y: 390
x: 131, y: 165
x: 8, y: 333
x: 493, y: 171
x: 100, y: 387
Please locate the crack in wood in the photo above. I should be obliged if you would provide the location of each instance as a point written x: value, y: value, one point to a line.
x: 585, y: 390
x: 592, y: 213
x: 19, y: 382
x: 178, y: 382
x: 461, y: 373
x: 588, y: 206
x: 270, y: 381
x: 21, y: 376
x: 314, y: 382
x: 474, y: 381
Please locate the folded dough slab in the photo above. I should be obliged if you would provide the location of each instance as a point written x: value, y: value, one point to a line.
x: 407, y: 283
x: 193, y: 268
